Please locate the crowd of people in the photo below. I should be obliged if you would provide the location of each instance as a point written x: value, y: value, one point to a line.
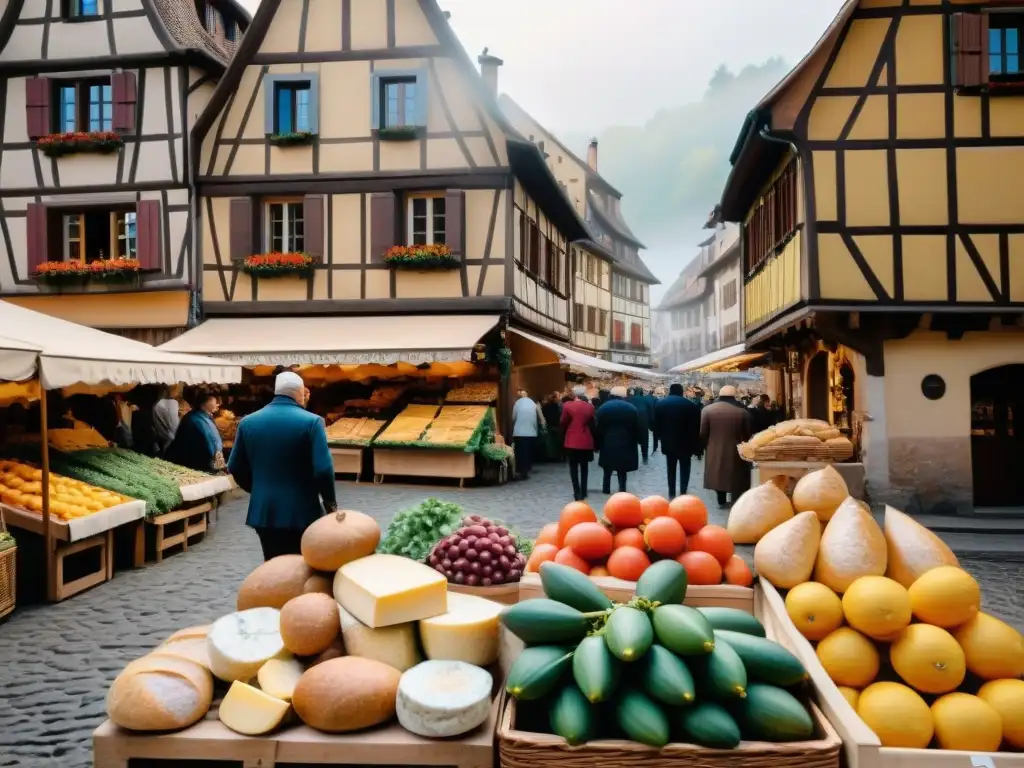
x: 624, y: 427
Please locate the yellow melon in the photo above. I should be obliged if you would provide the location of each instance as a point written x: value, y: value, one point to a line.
x: 758, y: 511
x: 852, y: 695
x: 966, y: 723
x: 928, y: 659
x: 946, y: 596
x: 786, y: 554
x: 994, y: 649
x: 912, y: 548
x: 820, y: 492
x: 1007, y: 698
x: 877, y: 606
x: 849, y: 658
x: 852, y: 546
x: 898, y: 716
x: 815, y: 609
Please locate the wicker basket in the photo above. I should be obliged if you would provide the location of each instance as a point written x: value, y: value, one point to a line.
x: 8, y: 583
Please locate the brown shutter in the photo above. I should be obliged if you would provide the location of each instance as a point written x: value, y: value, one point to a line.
x: 147, y: 223
x: 37, y: 105
x: 455, y: 220
x: 125, y: 96
x: 382, y: 224
x: 970, y: 49
x: 240, y: 224
x: 313, y: 226
x: 38, y: 236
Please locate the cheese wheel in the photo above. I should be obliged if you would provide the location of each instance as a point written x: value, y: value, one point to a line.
x: 274, y: 583
x: 346, y: 694
x: 309, y: 624
x: 159, y: 694
x: 240, y: 643
x: 251, y: 712
x: 394, y: 646
x: 278, y: 678
x: 440, y: 699
x: 470, y: 631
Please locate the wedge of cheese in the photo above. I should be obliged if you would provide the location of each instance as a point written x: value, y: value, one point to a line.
x: 469, y: 631
x: 440, y: 699
x: 251, y: 712
x: 394, y: 646
x: 383, y: 590
x: 278, y: 678
x: 240, y: 643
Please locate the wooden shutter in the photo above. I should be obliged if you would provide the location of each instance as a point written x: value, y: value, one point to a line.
x: 241, y: 241
x: 37, y: 106
x: 125, y: 96
x: 313, y: 226
x: 38, y: 236
x: 147, y: 231
x: 970, y: 49
x: 382, y: 224
x: 455, y: 220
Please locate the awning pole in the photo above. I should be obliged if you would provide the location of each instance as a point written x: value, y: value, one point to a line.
x: 44, y: 449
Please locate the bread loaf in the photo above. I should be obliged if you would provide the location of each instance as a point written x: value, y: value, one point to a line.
x: 309, y: 624
x: 336, y: 539
x: 160, y: 693
x: 346, y: 694
x: 274, y: 583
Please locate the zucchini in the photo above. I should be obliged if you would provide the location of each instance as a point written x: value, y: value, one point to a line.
x: 683, y: 630
x: 642, y: 720
x: 734, y: 620
x: 546, y: 622
x: 706, y: 724
x: 667, y: 678
x: 664, y: 583
x: 595, y: 670
x: 769, y: 713
x: 537, y: 671
x: 721, y: 674
x: 572, y: 717
x: 628, y: 633
x: 766, y: 661
x: 569, y: 586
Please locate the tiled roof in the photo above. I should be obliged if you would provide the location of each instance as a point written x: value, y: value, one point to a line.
x: 186, y: 28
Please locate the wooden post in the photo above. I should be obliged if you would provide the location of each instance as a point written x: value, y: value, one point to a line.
x: 44, y: 448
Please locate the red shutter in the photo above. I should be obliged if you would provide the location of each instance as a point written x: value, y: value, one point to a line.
x: 619, y: 331
x: 313, y: 226
x: 125, y: 96
x: 147, y: 223
x: 382, y: 224
x: 970, y: 49
x: 455, y: 220
x: 240, y: 226
x: 38, y: 236
x: 37, y: 106
x: 635, y: 335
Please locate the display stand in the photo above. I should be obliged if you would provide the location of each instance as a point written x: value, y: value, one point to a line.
x: 348, y: 461
x: 423, y: 462
x: 177, y: 528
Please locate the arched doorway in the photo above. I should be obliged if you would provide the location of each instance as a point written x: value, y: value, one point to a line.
x: 997, y: 436
x: 818, y: 387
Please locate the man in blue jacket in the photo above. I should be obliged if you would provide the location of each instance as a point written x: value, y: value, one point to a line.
x: 677, y: 424
x: 281, y: 458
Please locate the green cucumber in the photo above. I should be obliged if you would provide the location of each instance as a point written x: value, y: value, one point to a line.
x: 569, y: 586
x: 706, y: 724
x: 628, y: 633
x: 664, y: 582
x: 683, y: 630
x: 734, y: 620
x: 594, y: 669
x: 667, y: 678
x: 537, y: 671
x: 546, y: 622
x: 642, y: 720
x: 572, y: 717
x: 766, y: 661
x: 721, y: 674
x: 769, y: 713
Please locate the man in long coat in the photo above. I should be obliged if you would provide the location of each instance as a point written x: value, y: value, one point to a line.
x: 677, y: 425
x: 723, y: 425
x: 617, y: 434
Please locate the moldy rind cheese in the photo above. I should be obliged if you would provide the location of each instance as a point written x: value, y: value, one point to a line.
x: 469, y: 631
x: 383, y: 590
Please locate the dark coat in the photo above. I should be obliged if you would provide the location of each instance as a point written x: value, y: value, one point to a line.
x: 652, y: 404
x: 723, y: 425
x: 281, y: 458
x: 194, y: 445
x: 761, y: 418
x: 677, y: 426
x: 618, y: 435
x: 640, y: 403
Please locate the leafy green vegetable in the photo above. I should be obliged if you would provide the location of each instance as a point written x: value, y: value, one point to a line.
x: 6, y: 541
x: 414, y: 532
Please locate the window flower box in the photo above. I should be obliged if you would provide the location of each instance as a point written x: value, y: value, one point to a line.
x: 57, y: 275
x: 399, y: 133
x: 269, y: 265
x: 421, y: 257
x: 96, y: 142
x: 294, y: 139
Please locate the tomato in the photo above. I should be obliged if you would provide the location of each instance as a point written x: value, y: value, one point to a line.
x: 690, y: 512
x: 654, y: 506
x: 549, y: 535
x: 628, y: 563
x: 542, y: 553
x: 566, y: 556
x: 574, y: 513
x: 665, y: 536
x: 714, y: 540
x: 630, y: 537
x: 624, y: 510
x: 738, y: 573
x: 701, y: 568
x: 591, y: 541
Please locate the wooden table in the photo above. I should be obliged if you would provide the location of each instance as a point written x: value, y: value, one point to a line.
x: 348, y: 460
x: 424, y: 462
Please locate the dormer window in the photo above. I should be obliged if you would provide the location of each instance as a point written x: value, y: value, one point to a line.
x: 79, y: 9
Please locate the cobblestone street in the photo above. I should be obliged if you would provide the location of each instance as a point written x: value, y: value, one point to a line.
x: 56, y: 661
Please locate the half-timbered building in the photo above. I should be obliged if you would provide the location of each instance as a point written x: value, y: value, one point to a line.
x: 883, y: 243
x: 98, y: 99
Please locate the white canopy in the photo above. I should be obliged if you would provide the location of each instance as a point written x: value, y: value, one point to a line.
x: 62, y: 354
x: 734, y: 358
x: 587, y: 364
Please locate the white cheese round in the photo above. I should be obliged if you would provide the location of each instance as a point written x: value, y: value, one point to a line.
x: 470, y: 631
x: 240, y: 643
x: 439, y: 699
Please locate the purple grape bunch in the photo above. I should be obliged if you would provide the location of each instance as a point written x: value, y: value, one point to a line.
x: 479, y: 554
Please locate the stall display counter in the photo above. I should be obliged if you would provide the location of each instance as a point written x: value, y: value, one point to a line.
x: 418, y: 462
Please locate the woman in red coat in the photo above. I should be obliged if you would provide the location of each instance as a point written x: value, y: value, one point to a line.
x: 577, y: 420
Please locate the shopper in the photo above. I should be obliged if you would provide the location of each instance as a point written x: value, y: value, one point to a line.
x: 281, y: 458
x: 525, y: 429
x: 144, y: 439
x: 617, y: 437
x: 197, y: 443
x: 577, y: 423
x: 552, y: 412
x: 652, y: 403
x: 761, y: 417
x: 638, y: 401
x: 723, y: 425
x: 677, y: 424
x: 165, y: 418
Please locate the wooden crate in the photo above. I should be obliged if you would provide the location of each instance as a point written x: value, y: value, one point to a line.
x: 621, y: 591
x: 423, y: 462
x: 103, y: 543
x: 861, y: 746
x: 348, y: 461
x: 177, y: 528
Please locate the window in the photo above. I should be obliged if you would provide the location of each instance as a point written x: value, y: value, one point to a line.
x: 77, y: 9
x: 398, y: 102
x: 212, y: 19
x: 285, y: 233
x: 602, y: 317
x: 291, y: 108
x: 577, y: 263
x: 592, y: 319
x: 731, y: 334
x: 729, y: 295
x: 618, y: 331
x: 774, y: 220
x: 230, y: 30
x: 592, y: 266
x: 636, y: 334
x: 84, y: 105
x: 577, y: 316
x: 533, y: 254
x: 425, y: 220
x: 102, y: 234
x: 1005, y: 32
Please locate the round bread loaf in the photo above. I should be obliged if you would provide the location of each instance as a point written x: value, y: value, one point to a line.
x: 318, y: 582
x: 346, y: 694
x: 274, y: 583
x: 336, y: 539
x: 310, y: 623
x: 160, y: 693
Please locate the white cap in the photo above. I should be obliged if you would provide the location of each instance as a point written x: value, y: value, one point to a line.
x: 289, y: 384
x: 618, y: 392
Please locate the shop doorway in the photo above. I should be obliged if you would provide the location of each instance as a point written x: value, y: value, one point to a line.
x: 997, y: 436
x: 818, y: 388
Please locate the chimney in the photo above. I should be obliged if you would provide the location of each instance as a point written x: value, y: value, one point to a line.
x: 489, y: 70
x: 592, y: 155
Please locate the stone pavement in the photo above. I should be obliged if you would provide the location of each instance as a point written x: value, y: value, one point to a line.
x: 56, y: 661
